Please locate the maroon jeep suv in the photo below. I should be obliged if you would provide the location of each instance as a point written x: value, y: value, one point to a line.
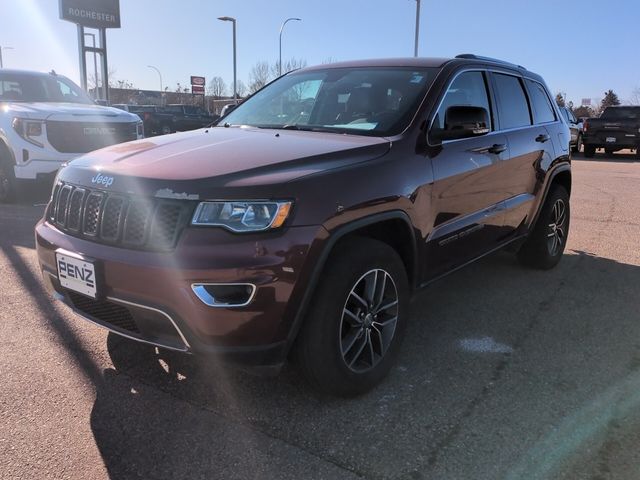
x: 299, y: 225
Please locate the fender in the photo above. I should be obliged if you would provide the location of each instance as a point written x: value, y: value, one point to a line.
x: 327, y: 248
x: 559, y: 167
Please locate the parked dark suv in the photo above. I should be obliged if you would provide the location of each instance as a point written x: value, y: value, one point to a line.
x: 301, y: 224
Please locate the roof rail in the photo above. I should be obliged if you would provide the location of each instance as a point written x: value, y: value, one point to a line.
x: 471, y: 56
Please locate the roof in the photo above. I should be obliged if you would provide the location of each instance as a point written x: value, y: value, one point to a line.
x: 23, y: 72
x: 425, y: 62
x: 385, y: 62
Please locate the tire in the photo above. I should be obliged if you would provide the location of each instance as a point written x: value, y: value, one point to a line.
x: 7, y: 183
x: 589, y: 151
x: 345, y: 347
x: 165, y: 129
x: 576, y: 148
x: 545, y: 245
x: 609, y: 152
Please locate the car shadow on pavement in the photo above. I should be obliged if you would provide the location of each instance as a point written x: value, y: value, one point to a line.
x: 163, y: 414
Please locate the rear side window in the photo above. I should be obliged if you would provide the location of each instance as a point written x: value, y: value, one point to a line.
x: 513, y: 109
x: 542, y: 109
x: 468, y: 89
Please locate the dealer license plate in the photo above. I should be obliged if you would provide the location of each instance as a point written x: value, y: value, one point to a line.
x: 77, y: 274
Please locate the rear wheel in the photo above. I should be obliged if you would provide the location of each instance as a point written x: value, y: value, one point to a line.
x: 578, y: 146
x: 545, y: 245
x: 356, y: 320
x: 589, y: 151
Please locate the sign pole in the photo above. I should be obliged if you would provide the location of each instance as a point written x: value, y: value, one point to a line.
x: 104, y: 64
x: 83, y: 60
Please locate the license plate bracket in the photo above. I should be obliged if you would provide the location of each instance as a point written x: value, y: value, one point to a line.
x: 77, y: 273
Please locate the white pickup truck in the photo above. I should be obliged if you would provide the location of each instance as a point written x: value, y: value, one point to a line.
x: 47, y: 120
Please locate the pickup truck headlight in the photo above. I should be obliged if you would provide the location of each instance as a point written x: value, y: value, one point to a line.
x: 242, y: 216
x: 31, y: 130
x: 140, y: 130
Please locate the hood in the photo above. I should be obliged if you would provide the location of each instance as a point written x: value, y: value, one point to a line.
x: 69, y: 112
x: 220, y: 158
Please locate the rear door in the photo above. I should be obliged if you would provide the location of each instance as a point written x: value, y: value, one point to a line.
x: 466, y: 197
x: 523, y: 111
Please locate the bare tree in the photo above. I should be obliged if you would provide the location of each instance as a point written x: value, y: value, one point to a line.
x: 289, y: 65
x: 259, y: 76
x: 217, y: 87
x: 92, y: 82
x: 241, y: 89
x: 635, y: 97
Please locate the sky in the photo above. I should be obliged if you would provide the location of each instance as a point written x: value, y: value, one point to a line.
x: 580, y: 48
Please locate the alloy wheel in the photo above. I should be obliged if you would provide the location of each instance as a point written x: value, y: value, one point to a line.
x: 369, y: 320
x: 557, y: 234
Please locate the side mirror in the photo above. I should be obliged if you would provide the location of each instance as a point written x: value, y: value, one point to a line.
x: 464, y: 122
x: 227, y: 109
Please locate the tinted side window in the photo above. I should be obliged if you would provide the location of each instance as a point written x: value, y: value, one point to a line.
x: 542, y: 109
x: 513, y: 109
x: 469, y: 88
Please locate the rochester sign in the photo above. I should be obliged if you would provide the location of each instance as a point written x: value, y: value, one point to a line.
x: 91, y: 13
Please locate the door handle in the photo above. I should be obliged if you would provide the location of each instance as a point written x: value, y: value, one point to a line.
x: 543, y: 137
x: 495, y: 148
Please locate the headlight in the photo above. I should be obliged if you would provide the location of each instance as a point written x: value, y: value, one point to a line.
x: 242, y: 216
x: 140, y: 130
x: 30, y: 130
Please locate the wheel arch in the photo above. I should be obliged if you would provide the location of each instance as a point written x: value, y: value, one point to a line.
x: 559, y: 175
x: 377, y: 226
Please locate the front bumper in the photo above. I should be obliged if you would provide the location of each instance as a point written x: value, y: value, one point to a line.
x: 148, y: 296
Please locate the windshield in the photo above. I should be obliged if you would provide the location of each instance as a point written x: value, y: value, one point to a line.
x: 621, y: 113
x: 16, y: 87
x: 362, y: 101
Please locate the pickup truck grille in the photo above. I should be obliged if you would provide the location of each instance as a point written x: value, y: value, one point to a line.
x: 121, y: 220
x: 83, y: 137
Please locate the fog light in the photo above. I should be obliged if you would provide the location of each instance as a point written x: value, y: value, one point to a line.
x: 224, y: 294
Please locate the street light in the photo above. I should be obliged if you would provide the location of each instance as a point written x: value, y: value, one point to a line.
x: 281, y: 28
x: 6, y: 48
x: 159, y: 74
x: 95, y: 65
x: 233, y: 20
x: 415, y: 48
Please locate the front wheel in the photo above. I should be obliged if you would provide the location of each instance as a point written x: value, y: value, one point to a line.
x: 545, y: 245
x: 7, y: 183
x: 356, y: 320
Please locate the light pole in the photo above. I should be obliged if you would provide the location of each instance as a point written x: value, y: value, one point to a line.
x: 95, y: 65
x: 415, y: 48
x: 233, y: 20
x: 280, y: 57
x: 159, y: 74
x: 6, y: 48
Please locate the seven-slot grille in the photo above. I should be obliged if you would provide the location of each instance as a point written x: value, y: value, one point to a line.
x: 116, y: 219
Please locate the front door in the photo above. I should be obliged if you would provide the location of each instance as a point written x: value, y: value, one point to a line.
x: 467, y: 191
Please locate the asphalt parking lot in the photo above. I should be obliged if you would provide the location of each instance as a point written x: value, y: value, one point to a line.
x: 506, y: 373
